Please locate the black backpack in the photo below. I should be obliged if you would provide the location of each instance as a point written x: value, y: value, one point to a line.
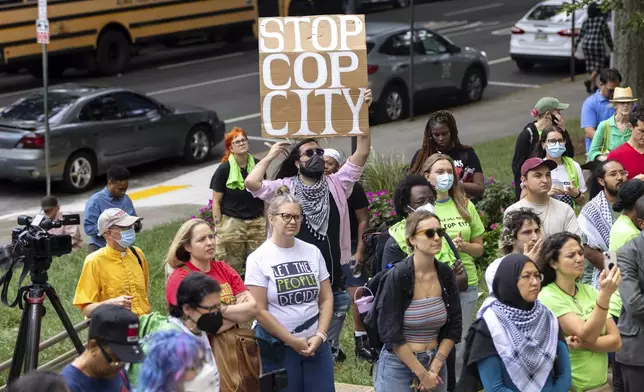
x: 374, y: 240
x: 372, y: 287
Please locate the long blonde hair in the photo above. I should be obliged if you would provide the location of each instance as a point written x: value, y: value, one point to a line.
x: 177, y: 254
x: 456, y: 192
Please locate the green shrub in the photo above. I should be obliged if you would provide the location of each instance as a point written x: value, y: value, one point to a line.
x: 383, y: 172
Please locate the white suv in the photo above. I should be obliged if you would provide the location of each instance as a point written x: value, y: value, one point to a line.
x: 544, y: 35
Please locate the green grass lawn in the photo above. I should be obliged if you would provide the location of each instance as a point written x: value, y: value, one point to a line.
x: 495, y: 158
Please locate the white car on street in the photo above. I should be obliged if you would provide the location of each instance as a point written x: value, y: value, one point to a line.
x: 544, y: 35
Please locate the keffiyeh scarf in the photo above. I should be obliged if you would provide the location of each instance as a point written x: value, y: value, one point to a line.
x: 526, y: 341
x: 315, y: 205
x: 595, y: 221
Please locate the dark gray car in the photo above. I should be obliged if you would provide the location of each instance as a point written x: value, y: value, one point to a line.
x: 93, y: 128
x: 441, y: 68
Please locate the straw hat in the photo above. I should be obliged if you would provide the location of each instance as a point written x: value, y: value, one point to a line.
x: 623, y: 95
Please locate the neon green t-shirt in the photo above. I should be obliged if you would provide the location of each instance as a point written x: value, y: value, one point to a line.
x: 623, y: 231
x: 589, y: 369
x: 454, y: 223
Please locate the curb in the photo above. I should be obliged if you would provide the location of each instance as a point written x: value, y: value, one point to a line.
x: 340, y: 387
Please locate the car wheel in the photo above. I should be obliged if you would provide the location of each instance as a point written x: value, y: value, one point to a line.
x: 472, y: 88
x: 393, y: 104
x: 198, y: 145
x: 525, y: 66
x: 112, y: 53
x: 80, y: 171
x: 400, y: 3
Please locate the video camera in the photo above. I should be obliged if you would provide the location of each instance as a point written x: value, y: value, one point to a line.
x: 32, y: 245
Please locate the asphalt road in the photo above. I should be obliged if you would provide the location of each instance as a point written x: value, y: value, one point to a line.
x: 225, y: 78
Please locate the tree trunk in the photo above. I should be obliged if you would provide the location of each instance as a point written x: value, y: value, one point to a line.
x: 629, y: 48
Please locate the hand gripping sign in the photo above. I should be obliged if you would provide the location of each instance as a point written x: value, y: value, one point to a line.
x: 313, y: 76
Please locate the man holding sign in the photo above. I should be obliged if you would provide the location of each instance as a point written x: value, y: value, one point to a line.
x: 313, y: 76
x: 325, y: 211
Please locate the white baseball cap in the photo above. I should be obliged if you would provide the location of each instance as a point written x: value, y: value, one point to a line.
x: 115, y: 217
x: 333, y: 153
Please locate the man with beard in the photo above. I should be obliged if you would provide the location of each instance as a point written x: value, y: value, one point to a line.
x: 325, y: 210
x: 556, y: 216
x: 597, y: 216
x: 113, y: 342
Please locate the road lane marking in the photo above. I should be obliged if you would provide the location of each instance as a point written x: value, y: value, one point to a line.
x: 499, y: 61
x: 458, y: 28
x: 483, y: 27
x: 438, y: 25
x: 203, y: 84
x: 199, y: 61
x: 474, y: 9
x: 508, y: 84
x: 242, y: 118
x: 155, y: 191
x: 503, y: 31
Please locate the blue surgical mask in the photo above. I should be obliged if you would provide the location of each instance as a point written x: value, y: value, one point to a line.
x: 444, y: 182
x: 556, y: 150
x: 127, y: 238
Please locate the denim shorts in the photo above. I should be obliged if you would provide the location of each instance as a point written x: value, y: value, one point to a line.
x: 392, y: 375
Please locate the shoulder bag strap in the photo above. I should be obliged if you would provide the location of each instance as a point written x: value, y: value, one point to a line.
x: 137, y: 256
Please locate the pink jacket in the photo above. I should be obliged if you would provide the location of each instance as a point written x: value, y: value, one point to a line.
x: 340, y: 186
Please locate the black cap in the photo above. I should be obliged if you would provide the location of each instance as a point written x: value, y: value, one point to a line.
x: 119, y: 328
x: 48, y: 202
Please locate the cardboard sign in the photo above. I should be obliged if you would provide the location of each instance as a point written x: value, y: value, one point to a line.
x: 313, y: 76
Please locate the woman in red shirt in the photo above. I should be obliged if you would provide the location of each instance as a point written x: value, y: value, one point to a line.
x: 193, y: 249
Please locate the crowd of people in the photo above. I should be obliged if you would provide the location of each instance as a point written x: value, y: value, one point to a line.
x: 263, y: 290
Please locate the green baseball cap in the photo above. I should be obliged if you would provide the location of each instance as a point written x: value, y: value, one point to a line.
x: 547, y: 104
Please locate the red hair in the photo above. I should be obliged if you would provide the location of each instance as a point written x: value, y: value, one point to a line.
x: 230, y: 136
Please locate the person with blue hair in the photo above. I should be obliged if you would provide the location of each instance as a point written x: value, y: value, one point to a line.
x: 173, y: 360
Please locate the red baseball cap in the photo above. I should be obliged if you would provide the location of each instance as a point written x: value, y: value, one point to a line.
x: 534, y: 163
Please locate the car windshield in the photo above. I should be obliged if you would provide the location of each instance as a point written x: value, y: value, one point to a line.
x: 552, y: 13
x: 30, y: 109
x: 370, y: 46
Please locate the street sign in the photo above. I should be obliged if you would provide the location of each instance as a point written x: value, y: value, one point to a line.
x: 42, y: 31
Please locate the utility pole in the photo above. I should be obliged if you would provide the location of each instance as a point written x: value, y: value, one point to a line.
x: 411, y: 59
x: 42, y: 37
x: 572, y: 48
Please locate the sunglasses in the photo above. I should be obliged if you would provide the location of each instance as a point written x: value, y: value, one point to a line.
x: 431, y: 233
x: 113, y: 362
x: 313, y: 151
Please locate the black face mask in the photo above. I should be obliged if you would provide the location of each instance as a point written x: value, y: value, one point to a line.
x: 313, y: 168
x: 210, y: 322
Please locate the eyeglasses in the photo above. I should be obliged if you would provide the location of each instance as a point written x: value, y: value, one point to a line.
x: 240, y: 142
x: 431, y: 233
x: 211, y: 309
x: 529, y: 277
x: 289, y: 217
x: 109, y: 359
x: 313, y: 151
x: 553, y: 141
x: 617, y: 173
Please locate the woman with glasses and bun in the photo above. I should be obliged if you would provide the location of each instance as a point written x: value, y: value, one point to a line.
x: 418, y: 313
x: 290, y: 283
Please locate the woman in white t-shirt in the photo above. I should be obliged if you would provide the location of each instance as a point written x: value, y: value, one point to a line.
x: 290, y: 283
x: 568, y: 183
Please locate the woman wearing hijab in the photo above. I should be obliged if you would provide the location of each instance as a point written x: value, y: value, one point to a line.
x: 516, y: 345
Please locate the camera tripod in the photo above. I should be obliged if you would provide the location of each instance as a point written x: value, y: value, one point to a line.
x: 28, y: 340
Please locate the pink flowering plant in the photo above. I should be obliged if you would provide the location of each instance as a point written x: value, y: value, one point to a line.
x: 380, y: 207
x: 205, y: 213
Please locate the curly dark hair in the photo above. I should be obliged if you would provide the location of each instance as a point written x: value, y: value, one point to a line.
x: 636, y: 115
x: 402, y: 193
x: 192, y: 290
x: 550, y: 253
x: 429, y: 146
x: 628, y: 194
x: 610, y: 75
x: 288, y: 168
x: 512, y: 223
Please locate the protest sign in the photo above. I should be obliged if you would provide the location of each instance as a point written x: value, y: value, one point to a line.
x: 313, y: 76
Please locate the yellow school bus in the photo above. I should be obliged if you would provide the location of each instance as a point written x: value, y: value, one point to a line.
x: 102, y: 35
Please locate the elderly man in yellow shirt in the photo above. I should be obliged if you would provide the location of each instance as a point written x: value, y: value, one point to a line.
x: 117, y: 274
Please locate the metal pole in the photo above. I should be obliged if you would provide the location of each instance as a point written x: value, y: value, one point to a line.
x: 411, y: 60
x: 572, y: 49
x: 612, y: 33
x: 351, y: 9
x: 45, y: 81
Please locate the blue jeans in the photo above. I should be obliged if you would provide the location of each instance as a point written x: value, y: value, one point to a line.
x: 469, y: 298
x: 341, y: 304
x: 306, y: 374
x: 392, y: 375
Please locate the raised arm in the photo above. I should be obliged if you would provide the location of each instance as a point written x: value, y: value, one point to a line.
x: 253, y: 181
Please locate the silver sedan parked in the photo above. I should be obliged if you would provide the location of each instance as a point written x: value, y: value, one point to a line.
x: 93, y: 128
x: 441, y: 68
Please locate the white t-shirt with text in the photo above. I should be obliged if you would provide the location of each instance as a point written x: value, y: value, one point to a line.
x: 292, y: 279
